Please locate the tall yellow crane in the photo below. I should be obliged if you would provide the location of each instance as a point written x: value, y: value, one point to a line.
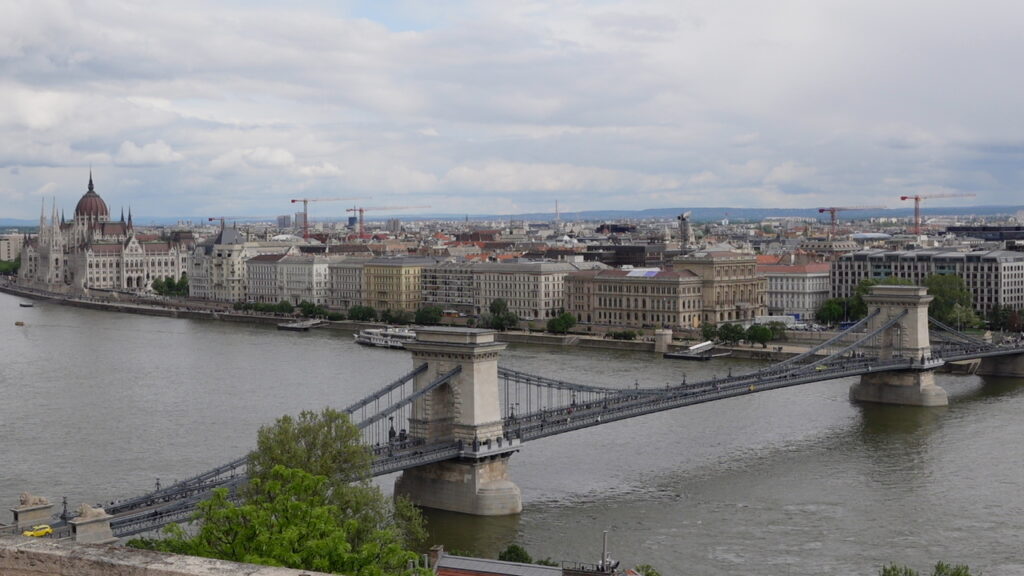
x: 305, y: 209
x: 917, y: 205
x: 361, y: 210
x: 832, y: 210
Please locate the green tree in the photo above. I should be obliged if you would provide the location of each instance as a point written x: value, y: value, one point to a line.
x: 778, y: 330
x: 287, y: 519
x: 731, y: 333
x: 429, y: 315
x: 327, y: 444
x: 562, y: 323
x: 500, y: 318
x: 948, y: 291
x: 396, y: 317
x: 760, y: 334
x: 183, y: 285
x: 10, y: 266
x: 284, y: 307
x: 515, y: 553
x: 962, y: 317
x: 831, y: 311
x: 709, y: 332
x: 362, y: 313
x: 158, y: 285
x: 857, y: 308
x: 170, y: 285
x: 999, y: 317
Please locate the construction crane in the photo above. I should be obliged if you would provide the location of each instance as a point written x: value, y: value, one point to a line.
x: 833, y: 210
x: 305, y: 209
x: 917, y: 205
x: 361, y: 210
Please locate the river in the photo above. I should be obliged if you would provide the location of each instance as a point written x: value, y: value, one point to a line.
x: 96, y: 406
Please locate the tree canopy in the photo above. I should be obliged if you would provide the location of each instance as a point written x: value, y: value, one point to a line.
x: 760, y: 334
x: 309, y: 504
x: 831, y: 311
x: 856, y: 308
x: 429, y: 315
x: 562, y: 323
x: 952, y: 301
x: 362, y: 313
x: 287, y: 519
x: 500, y: 317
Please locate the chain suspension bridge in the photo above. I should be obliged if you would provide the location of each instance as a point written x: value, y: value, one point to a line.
x: 451, y: 423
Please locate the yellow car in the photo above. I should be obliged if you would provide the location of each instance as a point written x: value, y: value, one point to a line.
x: 38, y: 531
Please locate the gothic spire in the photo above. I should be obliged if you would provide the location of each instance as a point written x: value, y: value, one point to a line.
x: 90, y: 181
x: 122, y: 214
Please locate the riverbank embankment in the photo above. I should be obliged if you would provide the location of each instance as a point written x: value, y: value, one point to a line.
x: 202, y: 310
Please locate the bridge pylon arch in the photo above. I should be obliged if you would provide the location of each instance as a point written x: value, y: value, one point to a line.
x: 466, y: 409
x: 907, y: 338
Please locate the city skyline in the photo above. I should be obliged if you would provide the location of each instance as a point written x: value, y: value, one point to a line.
x: 234, y: 108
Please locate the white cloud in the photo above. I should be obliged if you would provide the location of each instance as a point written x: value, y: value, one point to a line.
x: 152, y: 154
x: 788, y: 173
x: 630, y: 105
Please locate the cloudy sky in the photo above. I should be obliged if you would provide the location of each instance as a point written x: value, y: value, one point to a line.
x: 230, y: 109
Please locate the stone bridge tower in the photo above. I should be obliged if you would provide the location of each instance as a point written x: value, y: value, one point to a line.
x: 467, y: 408
x: 908, y: 338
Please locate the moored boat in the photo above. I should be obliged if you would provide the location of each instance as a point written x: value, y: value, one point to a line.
x: 390, y: 337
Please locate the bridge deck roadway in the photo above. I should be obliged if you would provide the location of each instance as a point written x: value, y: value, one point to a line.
x: 176, y: 502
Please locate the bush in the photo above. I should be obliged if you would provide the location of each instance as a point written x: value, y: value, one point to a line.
x: 429, y: 315
x: 623, y: 334
x: 362, y: 313
x: 562, y: 323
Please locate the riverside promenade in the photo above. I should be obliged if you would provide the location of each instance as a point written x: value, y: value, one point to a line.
x: 206, y: 310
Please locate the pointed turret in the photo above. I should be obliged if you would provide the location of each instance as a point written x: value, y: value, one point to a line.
x: 122, y: 214
x: 130, y: 227
x: 91, y: 189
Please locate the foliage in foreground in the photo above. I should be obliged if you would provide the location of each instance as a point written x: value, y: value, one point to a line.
x: 309, y: 505
x: 287, y: 520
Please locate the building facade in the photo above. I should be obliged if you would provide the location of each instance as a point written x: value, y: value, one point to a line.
x: 450, y: 286
x: 345, y: 276
x: 994, y: 277
x: 796, y: 290
x: 532, y: 290
x: 732, y: 290
x: 639, y: 298
x: 94, y: 252
x: 393, y: 283
x: 10, y: 246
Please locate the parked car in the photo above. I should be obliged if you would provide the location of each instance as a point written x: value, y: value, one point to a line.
x: 38, y: 531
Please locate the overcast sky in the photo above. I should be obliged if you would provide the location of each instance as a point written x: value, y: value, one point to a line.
x: 231, y: 109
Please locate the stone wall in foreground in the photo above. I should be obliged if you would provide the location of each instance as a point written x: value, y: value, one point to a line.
x: 23, y: 556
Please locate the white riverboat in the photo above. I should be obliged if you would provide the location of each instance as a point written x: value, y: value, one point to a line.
x: 390, y: 337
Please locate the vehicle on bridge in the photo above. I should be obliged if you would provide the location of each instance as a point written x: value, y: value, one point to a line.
x: 38, y: 531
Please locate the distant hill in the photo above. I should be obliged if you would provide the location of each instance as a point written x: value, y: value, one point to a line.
x: 700, y: 214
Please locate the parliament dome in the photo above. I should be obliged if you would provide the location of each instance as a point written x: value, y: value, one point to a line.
x: 91, y: 204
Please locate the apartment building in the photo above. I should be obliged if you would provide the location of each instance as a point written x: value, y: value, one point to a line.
x: 449, y: 285
x: 994, y: 277
x: 796, y: 290
x: 533, y: 290
x: 393, y: 283
x: 345, y: 277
